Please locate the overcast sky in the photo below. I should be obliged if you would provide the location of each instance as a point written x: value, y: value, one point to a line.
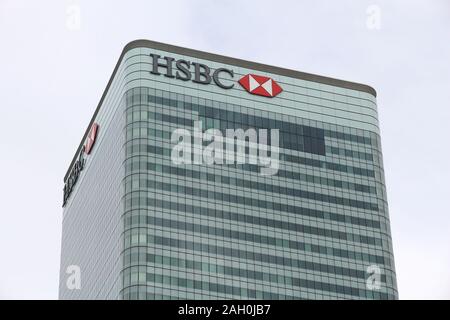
x: 57, y: 56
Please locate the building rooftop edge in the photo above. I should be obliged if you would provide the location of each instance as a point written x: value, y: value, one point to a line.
x: 222, y: 59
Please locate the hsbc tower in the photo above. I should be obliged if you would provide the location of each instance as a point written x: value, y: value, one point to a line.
x: 157, y: 205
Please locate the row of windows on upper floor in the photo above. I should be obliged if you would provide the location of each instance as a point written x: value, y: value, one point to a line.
x: 143, y: 237
x: 267, y: 222
x: 299, y: 228
x: 244, y: 120
x: 137, y: 240
x: 313, y: 145
x: 133, y: 293
x: 147, y: 292
x: 308, y: 144
x: 349, y: 153
x: 292, y: 141
x: 146, y: 278
x: 134, y: 256
x: 144, y: 129
x: 137, y: 163
x: 221, y: 110
x: 245, y: 236
x: 330, y: 165
x: 143, y: 255
x: 257, y: 221
x: 141, y: 146
x: 133, y: 152
x: 313, y: 267
x: 137, y: 277
x: 135, y: 166
x: 301, y: 211
x: 229, y: 197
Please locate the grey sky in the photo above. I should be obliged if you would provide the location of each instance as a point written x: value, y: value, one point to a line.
x: 52, y: 75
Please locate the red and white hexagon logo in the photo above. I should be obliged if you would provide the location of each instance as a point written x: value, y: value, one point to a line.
x: 260, y: 85
x: 91, y: 138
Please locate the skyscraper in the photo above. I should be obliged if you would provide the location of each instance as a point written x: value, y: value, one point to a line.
x: 146, y: 218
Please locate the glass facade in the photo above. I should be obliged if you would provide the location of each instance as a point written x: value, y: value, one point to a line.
x: 198, y: 231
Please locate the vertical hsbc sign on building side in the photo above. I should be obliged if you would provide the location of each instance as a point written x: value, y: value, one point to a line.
x: 185, y: 70
x: 78, y: 166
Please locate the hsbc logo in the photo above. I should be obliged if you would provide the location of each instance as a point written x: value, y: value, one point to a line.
x: 91, y: 138
x: 200, y: 73
x: 78, y: 166
x: 259, y: 85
